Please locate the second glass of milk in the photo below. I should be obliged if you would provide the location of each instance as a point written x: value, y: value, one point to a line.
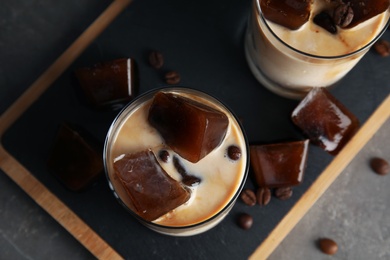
x: 290, y: 63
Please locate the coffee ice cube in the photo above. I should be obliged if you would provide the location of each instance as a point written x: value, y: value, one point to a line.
x: 279, y: 164
x: 189, y: 128
x: 366, y: 9
x: 288, y: 13
x: 108, y: 83
x: 75, y: 158
x: 326, y: 121
x: 152, y: 192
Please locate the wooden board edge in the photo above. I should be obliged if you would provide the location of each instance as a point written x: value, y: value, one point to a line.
x: 55, y: 207
x: 21, y: 176
x: 325, y: 179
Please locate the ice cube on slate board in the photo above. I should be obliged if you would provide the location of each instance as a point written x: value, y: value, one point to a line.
x: 324, y: 120
x: 75, y: 158
x: 279, y: 164
x: 189, y: 128
x: 366, y: 9
x: 288, y: 13
x: 151, y: 190
x: 108, y: 83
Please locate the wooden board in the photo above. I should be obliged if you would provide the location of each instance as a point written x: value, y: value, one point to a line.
x: 86, y: 235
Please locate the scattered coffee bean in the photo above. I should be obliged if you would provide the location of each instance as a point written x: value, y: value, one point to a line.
x: 283, y: 193
x: 234, y: 152
x: 343, y: 15
x: 382, y: 47
x: 248, y: 197
x: 328, y: 246
x: 164, y: 155
x: 245, y: 221
x: 380, y: 166
x: 263, y: 196
x: 172, y: 77
x: 156, y: 59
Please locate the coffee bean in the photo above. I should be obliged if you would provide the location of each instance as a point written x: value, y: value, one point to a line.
x: 234, y: 152
x: 328, y: 246
x: 172, y: 77
x: 283, y: 193
x: 245, y: 221
x: 382, y: 47
x: 380, y: 166
x: 324, y: 20
x: 248, y: 197
x: 191, y: 181
x: 164, y: 155
x: 156, y: 59
x: 343, y: 15
x: 263, y: 196
x: 187, y: 178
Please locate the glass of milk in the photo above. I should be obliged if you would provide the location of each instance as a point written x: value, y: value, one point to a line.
x: 222, y: 178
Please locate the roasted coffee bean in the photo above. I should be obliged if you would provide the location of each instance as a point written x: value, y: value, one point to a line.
x: 245, y: 221
x: 324, y: 20
x: 248, y: 197
x: 164, y: 155
x: 382, y: 47
x: 234, y: 152
x: 328, y: 246
x: 380, y: 166
x: 343, y: 15
x: 191, y: 181
x: 172, y: 77
x: 263, y: 196
x: 283, y: 193
x: 187, y: 179
x: 156, y: 59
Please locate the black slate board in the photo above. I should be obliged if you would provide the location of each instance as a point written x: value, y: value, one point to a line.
x: 203, y: 40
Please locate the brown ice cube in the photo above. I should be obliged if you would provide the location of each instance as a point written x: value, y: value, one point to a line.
x: 366, y: 9
x: 75, y: 158
x: 288, y: 13
x: 190, y: 128
x: 151, y: 190
x: 108, y: 83
x: 279, y: 164
x: 326, y: 121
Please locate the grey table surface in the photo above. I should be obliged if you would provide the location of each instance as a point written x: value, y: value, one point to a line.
x: 355, y: 211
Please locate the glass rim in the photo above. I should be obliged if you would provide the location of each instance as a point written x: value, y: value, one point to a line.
x: 368, y: 45
x: 141, y: 97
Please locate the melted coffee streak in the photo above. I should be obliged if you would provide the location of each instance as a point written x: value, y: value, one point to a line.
x: 188, y: 179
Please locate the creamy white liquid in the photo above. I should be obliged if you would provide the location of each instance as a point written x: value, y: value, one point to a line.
x: 221, y: 177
